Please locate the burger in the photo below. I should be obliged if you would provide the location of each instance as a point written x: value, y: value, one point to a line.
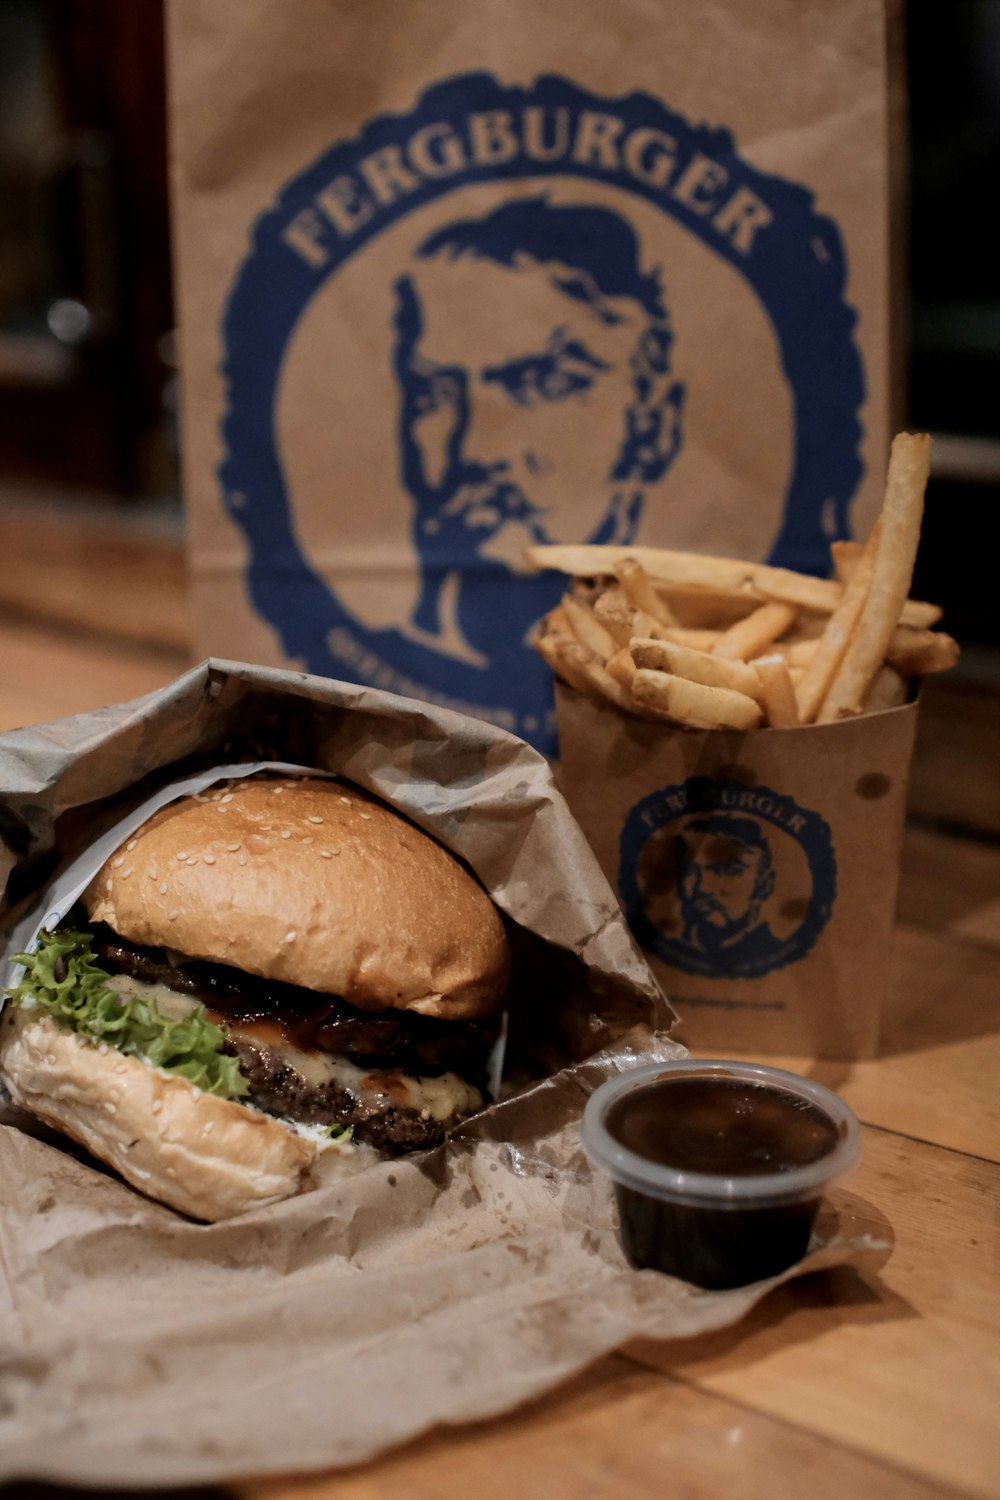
x: 264, y: 970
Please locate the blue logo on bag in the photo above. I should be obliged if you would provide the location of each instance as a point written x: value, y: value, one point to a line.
x: 725, y: 880
x: 505, y: 368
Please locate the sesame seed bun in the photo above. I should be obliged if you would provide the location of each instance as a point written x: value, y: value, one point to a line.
x: 313, y: 883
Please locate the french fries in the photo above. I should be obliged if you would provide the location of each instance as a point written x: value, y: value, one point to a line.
x: 895, y: 554
x: 716, y: 643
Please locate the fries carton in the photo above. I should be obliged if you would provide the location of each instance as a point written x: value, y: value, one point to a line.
x: 757, y: 869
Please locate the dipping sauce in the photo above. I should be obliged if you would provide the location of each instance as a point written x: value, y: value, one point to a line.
x: 721, y: 1125
x: 718, y: 1168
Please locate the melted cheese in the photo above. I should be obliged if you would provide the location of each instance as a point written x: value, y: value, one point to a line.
x: 441, y: 1097
x: 167, y: 1001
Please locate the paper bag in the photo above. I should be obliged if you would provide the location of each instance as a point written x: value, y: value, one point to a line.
x: 758, y: 870
x: 455, y: 277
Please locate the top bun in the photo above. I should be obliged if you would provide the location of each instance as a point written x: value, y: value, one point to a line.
x: 314, y: 883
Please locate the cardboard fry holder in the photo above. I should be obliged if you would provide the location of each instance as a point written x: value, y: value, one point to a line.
x: 758, y: 870
x: 139, y: 1348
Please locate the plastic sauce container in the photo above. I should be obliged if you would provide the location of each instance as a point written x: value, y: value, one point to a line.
x: 719, y: 1167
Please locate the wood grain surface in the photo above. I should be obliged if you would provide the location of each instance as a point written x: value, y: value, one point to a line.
x: 883, y: 1382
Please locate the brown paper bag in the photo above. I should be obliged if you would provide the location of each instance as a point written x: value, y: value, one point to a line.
x: 455, y: 277
x: 758, y: 870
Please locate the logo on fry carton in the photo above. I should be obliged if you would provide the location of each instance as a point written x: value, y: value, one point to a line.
x: 490, y: 322
x: 724, y: 880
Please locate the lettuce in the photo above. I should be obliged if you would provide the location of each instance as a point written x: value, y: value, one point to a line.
x: 62, y: 977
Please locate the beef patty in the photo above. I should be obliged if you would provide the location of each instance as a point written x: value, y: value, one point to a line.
x: 383, y: 1043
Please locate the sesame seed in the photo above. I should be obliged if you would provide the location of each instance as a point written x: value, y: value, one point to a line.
x: 111, y: 1108
x: 164, y: 888
x: 126, y: 873
x: 286, y: 833
x: 326, y: 854
x: 242, y: 859
x: 367, y: 817
x: 131, y: 845
x: 291, y: 936
x: 309, y: 840
x: 346, y: 801
x: 209, y: 859
x: 181, y: 854
x: 232, y: 848
x: 425, y: 1114
x: 216, y: 796
x: 221, y: 807
x: 174, y: 915
x: 312, y: 818
x: 192, y: 861
x: 277, y: 789
x: 209, y: 1125
x: 171, y: 1171
x: 151, y: 872
x: 103, y: 1048
x: 334, y: 851
x: 228, y: 797
x: 116, y: 864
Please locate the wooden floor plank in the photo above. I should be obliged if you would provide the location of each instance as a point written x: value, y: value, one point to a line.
x: 943, y: 878
x: 618, y: 1431
x: 936, y: 1074
x: 903, y: 1365
x: 46, y: 674
x: 100, y: 571
x: 954, y: 775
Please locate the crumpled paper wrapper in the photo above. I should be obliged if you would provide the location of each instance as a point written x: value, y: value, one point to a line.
x: 138, y: 1348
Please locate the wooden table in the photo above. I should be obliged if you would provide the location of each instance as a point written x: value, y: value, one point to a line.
x: 882, y: 1384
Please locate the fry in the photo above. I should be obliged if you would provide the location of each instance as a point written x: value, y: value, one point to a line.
x: 888, y: 690
x: 588, y: 631
x: 638, y: 586
x: 699, y: 606
x: 605, y: 686
x: 698, y: 640
x: 917, y: 652
x: 777, y: 692
x: 621, y: 667
x: 726, y: 575
x: 643, y: 624
x: 696, y: 666
x: 693, y: 703
x: 753, y: 635
x: 798, y: 653
x: 902, y: 512
x: 821, y: 670
x: 562, y: 656
x: 614, y: 611
x: 921, y: 616
x: 845, y: 557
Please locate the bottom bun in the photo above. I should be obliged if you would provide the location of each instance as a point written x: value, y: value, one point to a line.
x: 207, y: 1157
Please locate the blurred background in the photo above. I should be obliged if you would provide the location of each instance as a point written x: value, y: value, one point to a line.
x: 88, y: 379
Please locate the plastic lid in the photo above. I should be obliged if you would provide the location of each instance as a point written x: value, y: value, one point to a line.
x: 711, y: 1190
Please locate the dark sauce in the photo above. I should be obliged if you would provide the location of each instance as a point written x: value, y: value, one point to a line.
x: 721, y: 1125
x: 727, y: 1128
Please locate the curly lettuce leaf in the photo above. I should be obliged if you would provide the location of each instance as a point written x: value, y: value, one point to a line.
x: 62, y: 977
